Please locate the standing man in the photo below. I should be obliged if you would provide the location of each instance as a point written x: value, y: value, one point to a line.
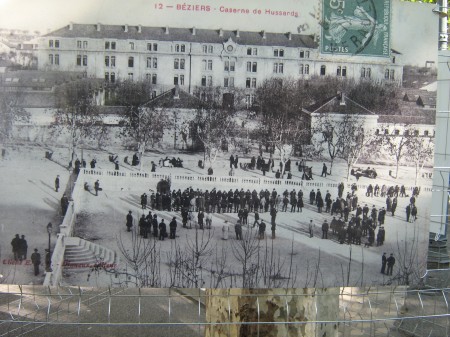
x: 408, y: 212
x: 36, y: 260
x: 231, y: 161
x: 261, y: 230
x: 311, y: 228
x: 324, y: 170
x: 23, y: 248
x: 129, y: 222
x: 383, y: 263
x: 162, y: 230
x: 325, y: 230
x: 238, y: 230
x: 173, y: 228
x: 15, y: 246
x: 57, y: 183
x: 390, y: 264
x: 97, y: 187
x: 64, y: 204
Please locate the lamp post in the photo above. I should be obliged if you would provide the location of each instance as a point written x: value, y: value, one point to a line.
x: 48, y: 254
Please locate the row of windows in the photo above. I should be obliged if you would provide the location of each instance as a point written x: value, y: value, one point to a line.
x: 405, y: 133
x: 82, y: 44
x: 53, y: 43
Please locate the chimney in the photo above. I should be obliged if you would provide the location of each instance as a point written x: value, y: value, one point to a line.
x: 289, y: 36
x: 193, y: 31
x: 166, y: 30
x: 71, y: 25
x: 139, y: 28
x: 342, y: 99
x: 125, y: 28
x: 237, y: 33
x: 220, y: 32
x: 263, y: 33
x: 98, y: 27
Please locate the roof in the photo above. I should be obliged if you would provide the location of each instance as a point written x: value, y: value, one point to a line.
x: 338, y: 104
x: 36, y: 78
x: 183, y: 34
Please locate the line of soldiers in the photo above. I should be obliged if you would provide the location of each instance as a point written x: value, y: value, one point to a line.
x: 222, y: 201
x: 391, y: 191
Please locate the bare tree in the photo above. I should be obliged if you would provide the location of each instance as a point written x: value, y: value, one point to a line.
x: 420, y: 151
x: 10, y: 112
x: 76, y: 113
x: 397, y: 144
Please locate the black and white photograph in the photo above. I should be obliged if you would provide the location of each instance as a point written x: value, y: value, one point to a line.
x: 216, y: 144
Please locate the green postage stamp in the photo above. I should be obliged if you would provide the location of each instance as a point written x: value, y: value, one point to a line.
x: 352, y: 27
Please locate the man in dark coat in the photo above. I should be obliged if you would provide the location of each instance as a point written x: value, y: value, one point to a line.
x: 162, y: 230
x: 36, y: 261
x: 155, y: 226
x: 390, y: 264
x: 383, y: 263
x: 129, y: 222
x: 144, y: 200
x: 15, y: 246
x: 97, y: 187
x: 238, y: 230
x: 324, y: 170
x: 325, y: 230
x: 23, y: 248
x: 142, y: 225
x: 408, y: 212
x: 231, y: 161
x: 261, y: 230
x: 173, y: 228
x: 93, y: 162
x: 64, y: 204
x: 57, y: 183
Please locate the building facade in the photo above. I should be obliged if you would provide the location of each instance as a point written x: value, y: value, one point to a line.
x: 199, y: 58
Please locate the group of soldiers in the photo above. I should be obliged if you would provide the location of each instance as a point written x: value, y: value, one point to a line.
x: 150, y: 225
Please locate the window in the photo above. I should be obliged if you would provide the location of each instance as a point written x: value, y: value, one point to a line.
x: 229, y: 66
x: 389, y: 74
x: 386, y: 131
x: 365, y: 72
x: 79, y: 44
x: 179, y: 80
x: 155, y: 62
x: 341, y: 71
x: 85, y: 60
x: 426, y: 133
x: 249, y: 99
x: 228, y: 82
x: 131, y: 45
x: 278, y: 52
x: 252, y: 67
x: 304, y: 54
x: 50, y: 43
x: 252, y: 51
x: 152, y: 46
x: 56, y: 43
x: 208, y: 49
x: 152, y: 78
x: 113, y: 61
x: 323, y: 70
x: 78, y: 60
x: 416, y: 133
x: 304, y: 69
x: 130, y: 76
x: 180, y: 48
x: 179, y: 63
x: 131, y: 62
x: 50, y: 58
x: 107, y: 61
x: 278, y: 68
x: 250, y: 82
x: 85, y: 44
x: 203, y: 81
x: 207, y: 64
x: 210, y: 64
x: 106, y: 77
x: 110, y: 45
x: 57, y: 59
x: 396, y: 132
x: 210, y: 81
x: 149, y: 62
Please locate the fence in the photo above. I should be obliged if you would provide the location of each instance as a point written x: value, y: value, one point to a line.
x: 74, y: 311
x: 122, y: 180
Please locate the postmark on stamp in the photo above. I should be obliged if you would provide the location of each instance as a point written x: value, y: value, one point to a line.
x: 351, y: 27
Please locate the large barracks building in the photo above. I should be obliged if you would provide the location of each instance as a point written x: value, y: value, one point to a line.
x: 193, y: 58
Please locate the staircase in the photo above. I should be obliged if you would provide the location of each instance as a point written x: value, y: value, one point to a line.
x: 81, y: 255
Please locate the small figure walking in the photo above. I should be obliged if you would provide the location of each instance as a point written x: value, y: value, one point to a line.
x: 97, y: 187
x: 383, y: 263
x: 238, y: 230
x: 390, y: 264
x: 129, y: 222
x: 311, y: 229
x: 57, y: 183
x: 36, y: 260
